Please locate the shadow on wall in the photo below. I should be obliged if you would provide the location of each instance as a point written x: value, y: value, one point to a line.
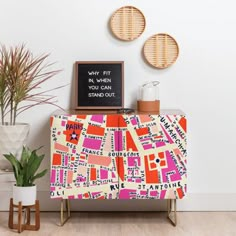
x: 42, y: 138
x: 72, y: 90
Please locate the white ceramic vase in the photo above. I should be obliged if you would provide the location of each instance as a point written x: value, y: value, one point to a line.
x: 25, y: 195
x: 12, y: 139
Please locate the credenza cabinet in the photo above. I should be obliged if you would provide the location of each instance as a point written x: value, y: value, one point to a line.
x: 118, y: 156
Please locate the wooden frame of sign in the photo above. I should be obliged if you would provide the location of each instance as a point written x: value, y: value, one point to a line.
x: 99, y: 84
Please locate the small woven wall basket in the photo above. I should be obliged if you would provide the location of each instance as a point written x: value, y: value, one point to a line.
x: 161, y: 50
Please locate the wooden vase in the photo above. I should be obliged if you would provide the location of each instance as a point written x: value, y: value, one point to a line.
x: 149, y: 106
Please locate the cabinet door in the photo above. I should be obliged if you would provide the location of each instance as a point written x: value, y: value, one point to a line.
x: 153, y: 157
x: 83, y: 160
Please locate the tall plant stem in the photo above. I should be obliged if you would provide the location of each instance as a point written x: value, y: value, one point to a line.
x: 2, y: 115
x: 11, y: 111
x: 14, y: 114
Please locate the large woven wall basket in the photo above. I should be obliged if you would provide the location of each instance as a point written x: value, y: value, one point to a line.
x: 127, y: 23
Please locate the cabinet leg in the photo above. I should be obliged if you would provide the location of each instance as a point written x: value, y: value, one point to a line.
x: 65, y: 219
x: 171, y: 213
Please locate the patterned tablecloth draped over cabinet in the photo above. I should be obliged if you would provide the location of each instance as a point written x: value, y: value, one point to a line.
x: 116, y: 156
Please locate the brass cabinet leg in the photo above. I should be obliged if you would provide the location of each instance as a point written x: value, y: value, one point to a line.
x: 65, y: 219
x: 171, y: 213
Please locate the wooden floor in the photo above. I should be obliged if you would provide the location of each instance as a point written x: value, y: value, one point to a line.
x: 132, y: 224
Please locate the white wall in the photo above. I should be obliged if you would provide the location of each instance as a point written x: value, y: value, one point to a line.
x: 201, y: 82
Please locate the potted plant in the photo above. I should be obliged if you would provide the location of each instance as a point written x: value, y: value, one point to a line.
x: 25, y: 174
x: 21, y: 77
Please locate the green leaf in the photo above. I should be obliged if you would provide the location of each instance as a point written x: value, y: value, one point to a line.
x: 39, y: 175
x: 25, y: 156
x: 33, y: 165
x: 15, y: 164
x: 19, y: 181
x: 25, y: 169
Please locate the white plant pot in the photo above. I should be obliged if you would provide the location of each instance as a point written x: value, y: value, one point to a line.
x: 12, y: 139
x: 25, y: 195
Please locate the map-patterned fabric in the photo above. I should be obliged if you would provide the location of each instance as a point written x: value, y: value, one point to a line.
x: 118, y: 157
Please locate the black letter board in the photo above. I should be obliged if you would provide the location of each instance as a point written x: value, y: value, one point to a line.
x: 99, y: 85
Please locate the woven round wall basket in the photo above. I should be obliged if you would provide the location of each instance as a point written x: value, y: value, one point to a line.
x: 127, y: 23
x: 161, y: 50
